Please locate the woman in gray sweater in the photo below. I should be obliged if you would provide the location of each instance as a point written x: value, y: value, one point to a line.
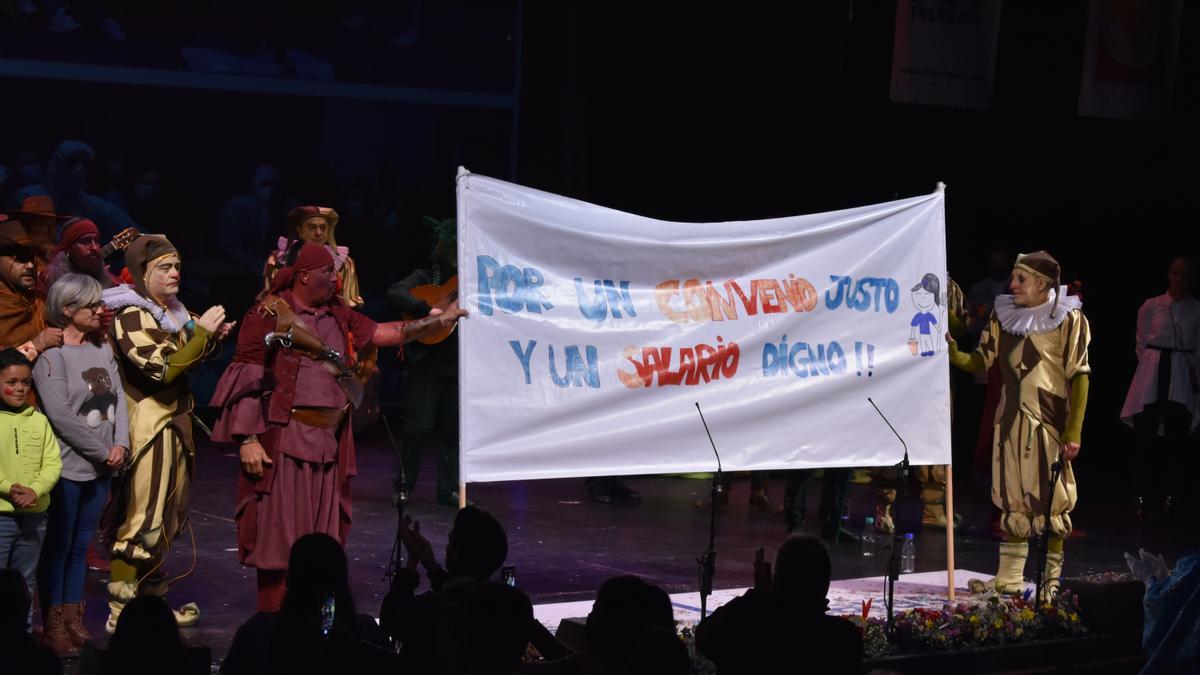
x: 79, y: 389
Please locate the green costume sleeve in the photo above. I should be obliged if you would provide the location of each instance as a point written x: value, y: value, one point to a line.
x: 186, y: 357
x: 957, y: 327
x: 1079, y: 396
x: 972, y: 363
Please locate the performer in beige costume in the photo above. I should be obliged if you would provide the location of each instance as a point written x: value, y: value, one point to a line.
x: 157, y: 341
x: 1040, y: 337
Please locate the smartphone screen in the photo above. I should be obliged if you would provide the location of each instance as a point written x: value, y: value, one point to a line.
x: 509, y: 574
x: 327, y: 613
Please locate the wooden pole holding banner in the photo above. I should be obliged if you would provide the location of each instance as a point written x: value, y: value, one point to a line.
x: 941, y: 187
x: 462, y: 335
x: 950, y: 531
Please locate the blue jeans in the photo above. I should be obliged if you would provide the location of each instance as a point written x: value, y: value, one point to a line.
x: 75, y: 508
x: 21, y: 537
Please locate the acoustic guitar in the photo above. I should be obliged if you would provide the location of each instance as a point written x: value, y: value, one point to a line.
x: 120, y: 242
x: 437, y: 297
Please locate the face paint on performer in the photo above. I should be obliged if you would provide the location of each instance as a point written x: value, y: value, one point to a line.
x: 162, y: 279
x: 17, y: 381
x: 1028, y: 290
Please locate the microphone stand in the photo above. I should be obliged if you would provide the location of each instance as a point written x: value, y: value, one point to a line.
x: 708, y: 561
x: 1043, y: 544
x: 893, y: 562
x: 399, y: 501
x: 1043, y: 539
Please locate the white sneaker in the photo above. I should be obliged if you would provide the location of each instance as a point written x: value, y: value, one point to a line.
x: 187, y: 615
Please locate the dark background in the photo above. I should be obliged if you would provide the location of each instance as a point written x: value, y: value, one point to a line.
x: 698, y: 111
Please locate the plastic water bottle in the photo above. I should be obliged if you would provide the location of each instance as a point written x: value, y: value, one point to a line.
x: 868, y: 537
x: 908, y: 555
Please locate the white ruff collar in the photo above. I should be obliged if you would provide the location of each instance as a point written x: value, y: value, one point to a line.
x: 172, y: 318
x: 1018, y: 320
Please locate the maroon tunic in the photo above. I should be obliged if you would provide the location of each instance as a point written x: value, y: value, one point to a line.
x: 308, y: 487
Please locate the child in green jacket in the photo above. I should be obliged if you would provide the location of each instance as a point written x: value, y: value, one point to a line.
x: 29, y: 467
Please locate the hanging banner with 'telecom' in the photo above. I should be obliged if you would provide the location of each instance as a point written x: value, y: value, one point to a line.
x: 945, y: 52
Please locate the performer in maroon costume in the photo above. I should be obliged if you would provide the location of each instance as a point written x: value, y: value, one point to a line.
x: 291, y: 418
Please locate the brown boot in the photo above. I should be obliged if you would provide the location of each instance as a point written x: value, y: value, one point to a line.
x: 73, y: 620
x: 55, y: 634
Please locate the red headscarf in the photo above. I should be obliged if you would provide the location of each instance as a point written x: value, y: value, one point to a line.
x: 310, y: 257
x: 75, y: 230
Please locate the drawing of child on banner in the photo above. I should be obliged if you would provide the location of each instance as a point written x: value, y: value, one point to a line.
x: 926, y: 326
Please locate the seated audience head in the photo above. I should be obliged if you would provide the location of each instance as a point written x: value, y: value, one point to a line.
x: 625, y: 608
x: 802, y: 571
x: 477, y: 544
x: 317, y: 568
x: 146, y: 634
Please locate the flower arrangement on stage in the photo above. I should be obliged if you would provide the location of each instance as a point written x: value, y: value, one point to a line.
x: 993, y: 621
x: 874, y: 632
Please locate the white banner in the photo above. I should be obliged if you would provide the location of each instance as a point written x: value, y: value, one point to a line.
x: 944, y: 53
x: 593, y: 333
x: 1129, y: 60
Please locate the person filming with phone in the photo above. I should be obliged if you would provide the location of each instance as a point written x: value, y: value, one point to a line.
x: 318, y: 629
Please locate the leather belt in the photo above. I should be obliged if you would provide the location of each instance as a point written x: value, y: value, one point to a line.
x: 322, y: 418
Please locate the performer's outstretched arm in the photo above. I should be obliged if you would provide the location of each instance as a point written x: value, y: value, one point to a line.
x: 972, y: 362
x: 395, y: 333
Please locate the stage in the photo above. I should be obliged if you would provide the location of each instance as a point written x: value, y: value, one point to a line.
x: 564, y: 545
x: 846, y: 596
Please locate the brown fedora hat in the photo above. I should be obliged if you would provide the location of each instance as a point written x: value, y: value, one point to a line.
x: 39, y: 206
x: 12, y: 233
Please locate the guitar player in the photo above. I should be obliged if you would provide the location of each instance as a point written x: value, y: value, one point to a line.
x: 431, y: 379
x: 79, y: 252
x: 431, y: 373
